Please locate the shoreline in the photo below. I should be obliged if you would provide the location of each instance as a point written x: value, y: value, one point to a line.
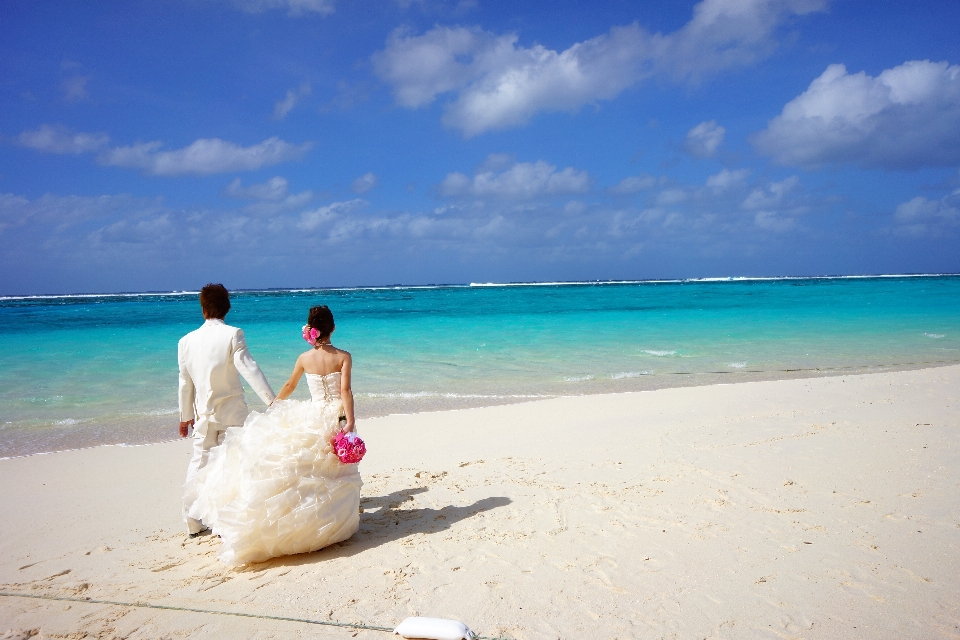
x: 437, y: 403
x: 806, y: 508
x: 424, y: 351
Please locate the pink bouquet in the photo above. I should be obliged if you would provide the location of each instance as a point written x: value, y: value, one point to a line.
x: 350, y: 448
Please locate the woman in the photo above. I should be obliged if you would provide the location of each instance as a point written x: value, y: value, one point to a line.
x: 276, y: 486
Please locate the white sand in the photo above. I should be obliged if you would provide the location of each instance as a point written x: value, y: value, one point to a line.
x: 818, y: 508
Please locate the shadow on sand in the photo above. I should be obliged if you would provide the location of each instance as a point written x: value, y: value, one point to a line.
x: 384, y: 520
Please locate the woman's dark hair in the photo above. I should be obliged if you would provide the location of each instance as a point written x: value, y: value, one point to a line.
x: 215, y: 301
x: 321, y: 319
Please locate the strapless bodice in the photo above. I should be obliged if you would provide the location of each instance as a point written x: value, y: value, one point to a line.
x: 324, y: 388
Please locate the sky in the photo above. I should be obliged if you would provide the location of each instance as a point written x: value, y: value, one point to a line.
x: 151, y: 145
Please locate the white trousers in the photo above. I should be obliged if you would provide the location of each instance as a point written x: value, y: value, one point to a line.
x: 206, y: 435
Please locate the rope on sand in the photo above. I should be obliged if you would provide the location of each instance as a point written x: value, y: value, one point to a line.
x: 260, y: 616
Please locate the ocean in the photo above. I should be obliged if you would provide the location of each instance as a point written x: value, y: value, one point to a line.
x: 78, y: 371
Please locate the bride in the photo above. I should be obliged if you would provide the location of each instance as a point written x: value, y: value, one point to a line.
x: 276, y: 486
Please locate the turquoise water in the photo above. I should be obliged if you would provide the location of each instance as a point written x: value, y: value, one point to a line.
x: 79, y: 371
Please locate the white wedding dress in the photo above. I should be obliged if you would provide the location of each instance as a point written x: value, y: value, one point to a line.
x: 275, y: 486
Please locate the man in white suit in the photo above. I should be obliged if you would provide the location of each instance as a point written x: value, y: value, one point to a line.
x: 212, y: 359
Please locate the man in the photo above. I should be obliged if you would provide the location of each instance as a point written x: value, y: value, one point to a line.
x: 212, y: 358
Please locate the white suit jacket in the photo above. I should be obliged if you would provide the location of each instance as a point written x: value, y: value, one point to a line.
x: 212, y: 358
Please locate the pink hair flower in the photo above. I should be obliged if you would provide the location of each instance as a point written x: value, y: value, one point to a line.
x: 310, y: 334
x: 349, y: 447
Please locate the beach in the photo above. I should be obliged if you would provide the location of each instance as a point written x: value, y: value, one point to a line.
x: 805, y: 508
x: 647, y: 314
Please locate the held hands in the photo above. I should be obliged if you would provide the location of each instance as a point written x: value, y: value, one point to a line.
x: 185, y: 428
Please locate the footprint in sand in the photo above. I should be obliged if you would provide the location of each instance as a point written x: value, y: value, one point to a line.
x: 57, y: 575
x: 167, y: 566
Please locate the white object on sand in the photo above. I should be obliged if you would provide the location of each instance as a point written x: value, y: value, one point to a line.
x: 434, y: 629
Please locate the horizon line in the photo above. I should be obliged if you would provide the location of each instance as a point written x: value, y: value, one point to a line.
x: 556, y: 283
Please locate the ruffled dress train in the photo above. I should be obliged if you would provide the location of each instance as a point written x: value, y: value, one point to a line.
x: 275, y: 486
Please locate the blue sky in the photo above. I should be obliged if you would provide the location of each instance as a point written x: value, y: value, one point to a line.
x: 285, y: 143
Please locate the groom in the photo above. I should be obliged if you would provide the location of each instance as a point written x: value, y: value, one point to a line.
x: 212, y: 358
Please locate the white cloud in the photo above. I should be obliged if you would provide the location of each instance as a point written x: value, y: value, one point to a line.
x: 364, y: 183
x: 727, y: 179
x: 143, y: 231
x: 669, y: 197
x: 270, y: 198
x: 703, y: 140
x: 924, y: 217
x: 273, y: 189
x: 75, y: 89
x: 522, y: 181
x: 311, y: 220
x: 293, y: 7
x: 203, y: 157
x: 774, y: 221
x: 906, y: 117
x: 726, y: 200
x: 633, y: 184
x: 67, y: 243
x: 723, y: 34
x: 501, y: 84
x: 436, y: 6
x: 923, y: 209
x: 497, y: 162
x: 59, y: 215
x: 292, y: 99
x: 771, y: 195
x: 775, y: 209
x: 575, y: 208
x: 12, y: 209
x: 420, y: 67
x: 59, y: 139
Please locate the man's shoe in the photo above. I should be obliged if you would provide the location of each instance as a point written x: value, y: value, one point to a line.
x: 199, y: 533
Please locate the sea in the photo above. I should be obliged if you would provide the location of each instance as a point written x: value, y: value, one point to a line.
x: 87, y: 370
